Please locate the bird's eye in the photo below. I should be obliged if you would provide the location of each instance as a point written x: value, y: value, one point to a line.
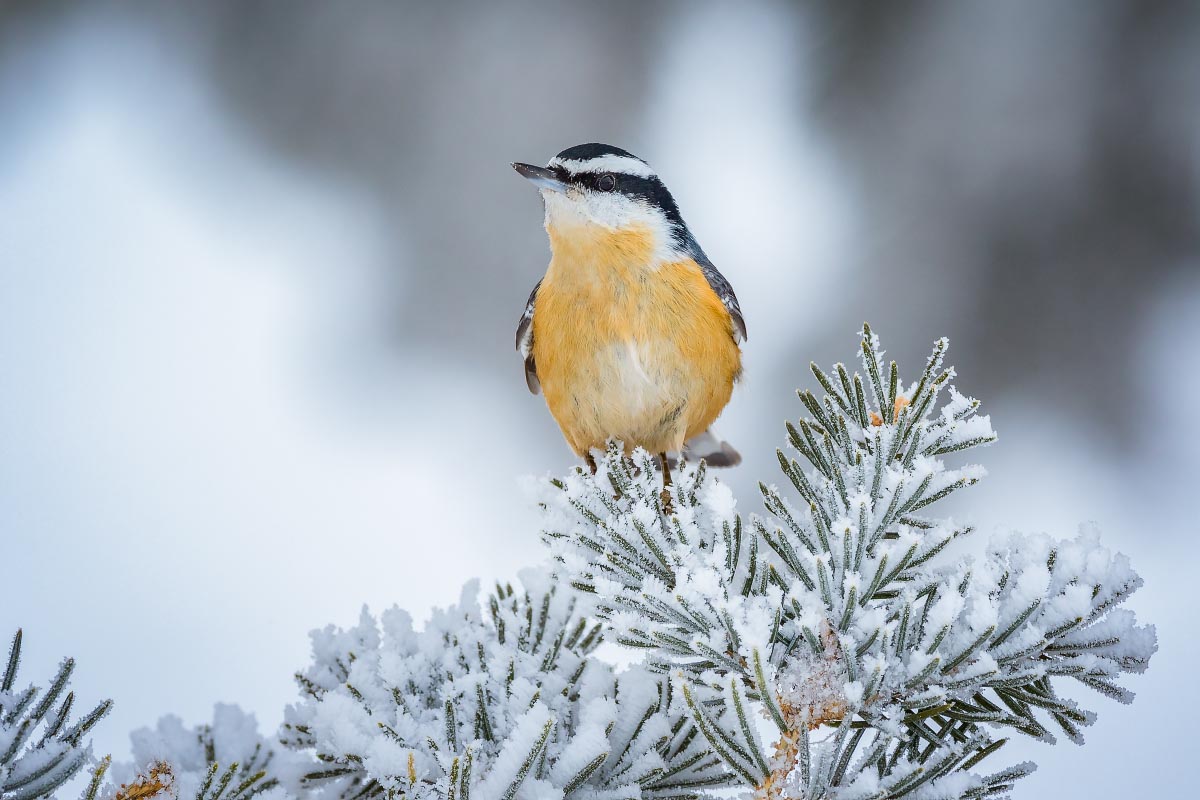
x: 606, y: 183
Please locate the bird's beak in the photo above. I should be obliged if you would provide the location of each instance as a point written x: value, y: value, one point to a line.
x: 540, y: 177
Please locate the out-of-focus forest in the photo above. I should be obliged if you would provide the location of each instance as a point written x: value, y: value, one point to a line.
x: 261, y: 263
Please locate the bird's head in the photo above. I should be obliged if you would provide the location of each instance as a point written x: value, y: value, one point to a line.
x: 595, y: 190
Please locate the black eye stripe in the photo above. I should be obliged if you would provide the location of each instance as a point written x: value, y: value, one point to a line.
x: 625, y: 183
x: 589, y: 180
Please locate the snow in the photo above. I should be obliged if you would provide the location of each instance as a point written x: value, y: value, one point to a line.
x: 548, y: 710
x: 937, y: 629
x: 41, y: 748
x: 232, y: 737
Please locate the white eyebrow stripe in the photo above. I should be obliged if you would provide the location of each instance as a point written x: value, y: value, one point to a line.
x: 606, y: 163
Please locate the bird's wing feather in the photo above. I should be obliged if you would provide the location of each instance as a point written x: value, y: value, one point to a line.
x: 525, y: 342
x: 713, y: 449
x: 708, y: 446
x: 723, y: 289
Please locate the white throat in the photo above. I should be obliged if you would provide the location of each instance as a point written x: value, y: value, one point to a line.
x: 594, y: 213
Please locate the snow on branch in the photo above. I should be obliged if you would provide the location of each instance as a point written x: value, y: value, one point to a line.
x: 40, y: 748
x: 886, y: 670
x: 225, y: 760
x: 829, y: 649
x: 506, y: 702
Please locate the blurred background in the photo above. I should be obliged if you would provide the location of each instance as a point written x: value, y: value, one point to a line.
x: 261, y: 264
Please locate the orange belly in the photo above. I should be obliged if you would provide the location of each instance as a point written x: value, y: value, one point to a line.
x: 627, y: 351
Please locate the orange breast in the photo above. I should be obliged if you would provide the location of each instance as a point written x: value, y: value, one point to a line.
x: 628, y: 349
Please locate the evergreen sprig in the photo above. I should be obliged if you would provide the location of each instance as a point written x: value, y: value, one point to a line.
x: 837, y: 613
x: 40, y: 747
x: 507, y: 703
x: 226, y: 759
x: 881, y: 667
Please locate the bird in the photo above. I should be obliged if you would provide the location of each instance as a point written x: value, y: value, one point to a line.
x: 632, y: 334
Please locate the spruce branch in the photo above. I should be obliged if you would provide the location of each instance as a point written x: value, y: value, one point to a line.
x: 838, y: 613
x: 226, y: 759
x: 507, y: 703
x: 32, y: 765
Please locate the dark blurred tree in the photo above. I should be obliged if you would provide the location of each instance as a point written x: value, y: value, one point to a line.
x: 1026, y: 172
x: 426, y: 104
x: 1029, y: 177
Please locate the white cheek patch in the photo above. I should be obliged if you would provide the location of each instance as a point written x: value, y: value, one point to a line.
x: 611, y: 211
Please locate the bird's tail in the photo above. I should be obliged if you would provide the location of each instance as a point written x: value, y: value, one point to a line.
x: 715, y: 451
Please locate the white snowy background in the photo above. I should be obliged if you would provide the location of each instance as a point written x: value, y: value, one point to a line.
x: 260, y: 268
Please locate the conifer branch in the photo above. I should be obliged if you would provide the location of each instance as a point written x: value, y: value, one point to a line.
x: 35, y: 766
x: 844, y: 615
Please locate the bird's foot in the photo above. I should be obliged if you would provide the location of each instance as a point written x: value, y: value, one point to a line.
x: 668, y: 506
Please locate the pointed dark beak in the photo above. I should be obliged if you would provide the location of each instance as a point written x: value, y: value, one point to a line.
x: 540, y: 177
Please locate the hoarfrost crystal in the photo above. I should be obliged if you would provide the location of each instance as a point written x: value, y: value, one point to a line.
x: 886, y: 670
x: 502, y: 703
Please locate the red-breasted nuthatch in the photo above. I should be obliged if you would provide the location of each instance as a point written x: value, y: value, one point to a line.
x: 632, y: 334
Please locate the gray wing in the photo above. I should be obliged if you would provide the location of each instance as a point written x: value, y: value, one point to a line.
x: 722, y: 287
x: 724, y: 291
x: 525, y: 342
